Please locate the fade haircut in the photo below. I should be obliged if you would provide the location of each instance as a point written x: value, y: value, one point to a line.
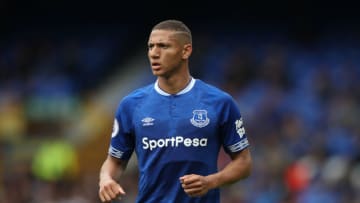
x: 177, y: 26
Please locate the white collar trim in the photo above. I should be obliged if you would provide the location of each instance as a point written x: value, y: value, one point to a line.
x: 185, y: 90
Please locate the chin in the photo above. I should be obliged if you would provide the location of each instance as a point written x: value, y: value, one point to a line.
x: 158, y: 73
x: 155, y: 73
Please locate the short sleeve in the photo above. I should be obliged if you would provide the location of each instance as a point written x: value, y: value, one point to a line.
x: 122, y: 140
x: 232, y: 128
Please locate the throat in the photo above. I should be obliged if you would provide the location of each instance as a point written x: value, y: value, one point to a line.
x: 174, y: 86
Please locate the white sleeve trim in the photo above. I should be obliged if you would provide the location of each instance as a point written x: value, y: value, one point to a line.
x: 115, y: 153
x: 239, y: 146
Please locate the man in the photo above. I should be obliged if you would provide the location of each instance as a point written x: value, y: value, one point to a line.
x: 176, y: 127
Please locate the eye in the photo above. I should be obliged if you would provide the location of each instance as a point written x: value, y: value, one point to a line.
x: 164, y: 46
x: 150, y: 46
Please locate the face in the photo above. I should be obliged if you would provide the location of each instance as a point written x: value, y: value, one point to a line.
x: 167, y: 53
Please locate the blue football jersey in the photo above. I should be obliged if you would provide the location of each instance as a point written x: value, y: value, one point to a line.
x: 175, y: 135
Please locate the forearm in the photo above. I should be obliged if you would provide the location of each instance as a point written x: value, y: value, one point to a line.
x: 239, y: 168
x: 112, y: 168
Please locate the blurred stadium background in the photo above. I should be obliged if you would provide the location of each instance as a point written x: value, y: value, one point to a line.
x: 293, y: 69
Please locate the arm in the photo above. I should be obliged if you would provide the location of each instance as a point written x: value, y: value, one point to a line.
x: 239, y: 168
x: 111, y: 170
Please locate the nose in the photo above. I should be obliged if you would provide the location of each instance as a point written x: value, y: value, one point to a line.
x: 154, y: 52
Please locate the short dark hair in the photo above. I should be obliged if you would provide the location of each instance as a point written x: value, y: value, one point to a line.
x: 174, y: 25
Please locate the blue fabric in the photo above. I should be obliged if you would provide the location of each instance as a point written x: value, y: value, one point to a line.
x: 175, y: 135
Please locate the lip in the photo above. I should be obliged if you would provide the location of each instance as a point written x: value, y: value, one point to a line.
x: 155, y: 66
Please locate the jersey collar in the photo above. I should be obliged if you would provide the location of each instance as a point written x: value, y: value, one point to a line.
x: 185, y: 90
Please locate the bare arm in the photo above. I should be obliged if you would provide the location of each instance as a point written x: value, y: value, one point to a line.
x: 239, y: 168
x: 110, y: 171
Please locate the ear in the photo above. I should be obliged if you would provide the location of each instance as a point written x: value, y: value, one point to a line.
x: 187, y: 50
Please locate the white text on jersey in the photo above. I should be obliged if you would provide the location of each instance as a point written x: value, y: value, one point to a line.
x: 173, y: 142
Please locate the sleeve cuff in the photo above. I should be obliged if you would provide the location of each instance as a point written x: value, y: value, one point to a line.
x: 239, y: 145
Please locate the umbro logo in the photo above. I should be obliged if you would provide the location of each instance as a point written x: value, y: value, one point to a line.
x: 147, y: 121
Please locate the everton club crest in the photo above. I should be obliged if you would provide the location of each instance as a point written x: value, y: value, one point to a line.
x: 200, y: 118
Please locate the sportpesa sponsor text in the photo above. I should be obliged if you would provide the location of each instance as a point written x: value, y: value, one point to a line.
x: 173, y: 142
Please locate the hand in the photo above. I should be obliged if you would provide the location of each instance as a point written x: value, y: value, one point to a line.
x: 195, y: 185
x: 110, y: 190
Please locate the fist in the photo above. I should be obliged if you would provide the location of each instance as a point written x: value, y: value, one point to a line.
x: 194, y: 185
x: 110, y: 190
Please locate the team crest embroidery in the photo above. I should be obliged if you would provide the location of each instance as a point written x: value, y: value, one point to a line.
x: 200, y: 118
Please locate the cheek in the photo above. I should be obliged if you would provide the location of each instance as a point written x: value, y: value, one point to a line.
x: 169, y: 58
x: 174, y: 57
x: 173, y: 61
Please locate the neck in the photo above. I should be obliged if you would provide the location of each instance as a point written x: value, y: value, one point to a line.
x: 174, y: 84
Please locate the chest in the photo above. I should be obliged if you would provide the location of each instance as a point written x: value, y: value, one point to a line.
x: 175, y: 116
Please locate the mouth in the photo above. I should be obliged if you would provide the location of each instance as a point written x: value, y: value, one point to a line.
x: 155, y: 66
